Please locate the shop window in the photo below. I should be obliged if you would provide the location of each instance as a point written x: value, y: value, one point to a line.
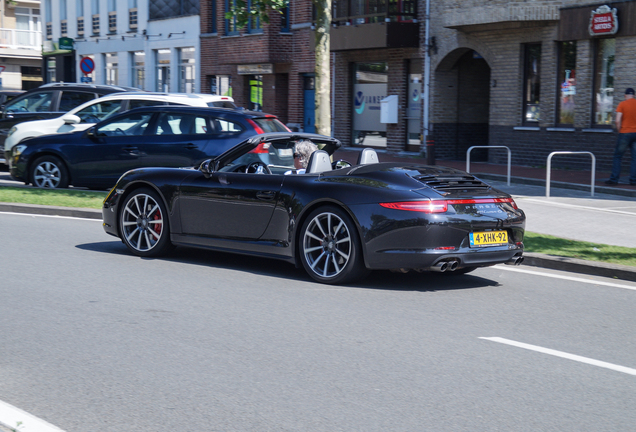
x: 111, y: 62
x: 138, y: 69
x: 567, y: 83
x: 187, y: 70
x: 220, y: 85
x: 369, y: 88
x: 531, y: 84
x: 285, y: 26
x: 256, y: 92
x: 603, y: 104
x: 163, y: 70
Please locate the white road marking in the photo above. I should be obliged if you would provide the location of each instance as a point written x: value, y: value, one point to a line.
x: 50, y: 216
x: 22, y: 421
x: 570, y: 278
x: 558, y: 204
x: 562, y: 354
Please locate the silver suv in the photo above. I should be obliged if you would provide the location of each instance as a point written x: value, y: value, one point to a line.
x: 94, y: 111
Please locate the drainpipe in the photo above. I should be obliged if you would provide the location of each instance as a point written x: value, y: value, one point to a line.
x: 430, y: 155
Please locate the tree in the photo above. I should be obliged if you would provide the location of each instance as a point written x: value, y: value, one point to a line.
x: 243, y: 10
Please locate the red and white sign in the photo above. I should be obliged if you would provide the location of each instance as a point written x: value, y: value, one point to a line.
x: 603, y: 21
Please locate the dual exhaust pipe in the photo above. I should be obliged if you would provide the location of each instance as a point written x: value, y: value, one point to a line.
x: 451, y: 265
x: 443, y: 266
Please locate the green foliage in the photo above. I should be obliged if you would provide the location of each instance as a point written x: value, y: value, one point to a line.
x: 258, y: 9
x: 550, y: 245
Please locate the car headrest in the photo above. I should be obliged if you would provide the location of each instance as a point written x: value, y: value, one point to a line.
x: 367, y: 156
x: 319, y: 162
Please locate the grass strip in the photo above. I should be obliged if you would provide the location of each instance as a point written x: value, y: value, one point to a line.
x: 53, y: 197
x: 551, y: 245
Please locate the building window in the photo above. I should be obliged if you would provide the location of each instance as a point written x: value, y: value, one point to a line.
x: 64, y: 28
x: 112, y: 22
x: 531, y: 84
x: 80, y: 26
x: 49, y: 30
x: 603, y: 105
x: 132, y: 18
x: 138, y: 69
x: 212, y: 16
x: 28, y: 29
x: 187, y: 69
x: 110, y: 60
x: 163, y: 70
x: 230, y: 24
x: 173, y: 8
x: 567, y: 83
x: 221, y: 85
x: 370, y: 86
x: 254, y: 22
x: 95, y: 24
x: 284, y: 21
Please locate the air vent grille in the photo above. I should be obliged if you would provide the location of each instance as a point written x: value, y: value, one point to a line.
x: 452, y: 183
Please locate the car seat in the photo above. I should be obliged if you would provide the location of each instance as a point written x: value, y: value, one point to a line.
x: 367, y: 156
x: 318, y: 162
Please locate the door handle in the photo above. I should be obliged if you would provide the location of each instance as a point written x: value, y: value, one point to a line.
x: 132, y: 150
x: 191, y: 146
x: 265, y: 195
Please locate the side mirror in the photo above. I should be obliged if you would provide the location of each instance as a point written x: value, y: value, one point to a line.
x: 71, y: 119
x: 90, y: 132
x: 207, y: 167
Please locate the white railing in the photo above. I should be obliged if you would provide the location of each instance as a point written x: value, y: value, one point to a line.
x: 20, y: 39
x: 549, y: 168
x: 473, y: 147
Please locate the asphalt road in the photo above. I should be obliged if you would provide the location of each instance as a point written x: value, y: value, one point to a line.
x: 94, y: 339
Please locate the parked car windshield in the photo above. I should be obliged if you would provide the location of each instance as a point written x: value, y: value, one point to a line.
x: 36, y: 102
x: 270, y: 125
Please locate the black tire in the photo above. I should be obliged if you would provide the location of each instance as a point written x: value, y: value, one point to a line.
x: 49, y: 172
x: 329, y: 247
x: 143, y: 224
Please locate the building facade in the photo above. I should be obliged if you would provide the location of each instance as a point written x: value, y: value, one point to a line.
x: 20, y: 45
x: 149, y: 44
x: 536, y: 77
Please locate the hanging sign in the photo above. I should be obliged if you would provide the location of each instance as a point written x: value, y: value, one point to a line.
x: 603, y: 21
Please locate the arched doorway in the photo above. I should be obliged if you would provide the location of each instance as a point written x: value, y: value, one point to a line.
x: 461, y: 105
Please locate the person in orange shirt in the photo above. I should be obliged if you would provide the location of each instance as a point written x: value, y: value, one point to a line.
x: 626, y: 127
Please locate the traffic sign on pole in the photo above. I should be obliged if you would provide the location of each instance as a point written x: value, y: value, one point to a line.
x: 87, y: 65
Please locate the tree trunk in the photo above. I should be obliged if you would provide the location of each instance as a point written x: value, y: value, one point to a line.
x: 323, y: 75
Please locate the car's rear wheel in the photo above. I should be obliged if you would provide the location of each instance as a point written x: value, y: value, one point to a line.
x: 49, y: 172
x: 330, y: 248
x: 144, y: 225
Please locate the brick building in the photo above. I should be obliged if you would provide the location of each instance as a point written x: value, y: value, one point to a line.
x: 537, y: 77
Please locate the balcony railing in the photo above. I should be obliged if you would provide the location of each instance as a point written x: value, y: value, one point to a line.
x: 354, y: 12
x: 20, y: 39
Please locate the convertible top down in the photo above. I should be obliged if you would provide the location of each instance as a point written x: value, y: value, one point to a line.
x: 337, y: 220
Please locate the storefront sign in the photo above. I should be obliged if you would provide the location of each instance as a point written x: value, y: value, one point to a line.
x: 65, y: 43
x: 603, y: 21
x: 255, y: 69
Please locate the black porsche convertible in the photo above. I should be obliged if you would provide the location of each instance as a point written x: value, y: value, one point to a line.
x: 338, y: 220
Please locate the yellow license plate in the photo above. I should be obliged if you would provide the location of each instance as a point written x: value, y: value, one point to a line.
x: 488, y: 238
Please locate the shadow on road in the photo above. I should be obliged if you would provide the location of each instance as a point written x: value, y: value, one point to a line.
x: 378, y: 280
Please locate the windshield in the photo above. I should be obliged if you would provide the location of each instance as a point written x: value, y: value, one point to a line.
x: 221, y: 104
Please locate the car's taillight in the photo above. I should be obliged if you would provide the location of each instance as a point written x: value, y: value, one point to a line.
x: 256, y: 127
x: 419, y: 206
x: 440, y: 206
x: 262, y: 147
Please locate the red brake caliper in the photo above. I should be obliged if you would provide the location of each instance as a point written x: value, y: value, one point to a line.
x: 157, y: 226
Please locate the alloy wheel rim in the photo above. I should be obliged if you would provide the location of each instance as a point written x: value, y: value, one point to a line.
x: 327, y: 245
x: 47, y: 175
x: 142, y: 222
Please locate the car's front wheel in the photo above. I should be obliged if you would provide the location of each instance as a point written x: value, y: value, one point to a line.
x: 49, y: 172
x: 144, y: 225
x: 330, y: 248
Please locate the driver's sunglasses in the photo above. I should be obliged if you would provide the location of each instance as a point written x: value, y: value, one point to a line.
x: 296, y: 155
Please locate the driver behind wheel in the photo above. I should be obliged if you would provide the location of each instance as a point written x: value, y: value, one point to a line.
x: 302, y: 152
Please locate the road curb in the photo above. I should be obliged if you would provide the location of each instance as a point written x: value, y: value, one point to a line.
x: 51, y: 210
x: 576, y: 265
